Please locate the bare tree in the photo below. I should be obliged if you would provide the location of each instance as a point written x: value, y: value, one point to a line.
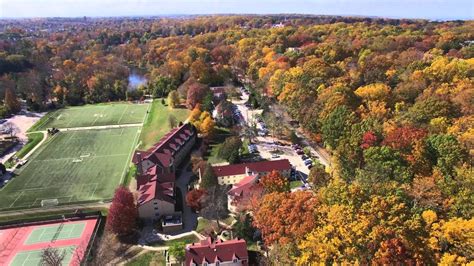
x: 52, y: 256
x: 10, y: 128
x: 216, y: 205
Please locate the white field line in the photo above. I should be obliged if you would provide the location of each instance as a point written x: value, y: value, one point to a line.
x: 126, y: 108
x: 129, y: 156
x: 93, y: 157
x: 18, y: 197
x: 47, y: 119
x: 93, y: 192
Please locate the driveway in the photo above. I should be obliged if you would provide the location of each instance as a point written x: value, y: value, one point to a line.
x: 189, y: 217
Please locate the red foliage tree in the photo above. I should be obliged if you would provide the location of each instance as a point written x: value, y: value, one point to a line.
x: 369, y: 139
x: 250, y: 199
x: 393, y: 252
x: 195, y: 94
x: 196, y: 198
x: 402, y: 138
x: 123, y: 213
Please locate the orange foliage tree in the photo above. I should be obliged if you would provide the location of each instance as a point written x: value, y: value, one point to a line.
x: 275, y: 182
x: 285, y: 217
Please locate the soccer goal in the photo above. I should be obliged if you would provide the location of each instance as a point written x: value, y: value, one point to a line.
x: 49, y: 202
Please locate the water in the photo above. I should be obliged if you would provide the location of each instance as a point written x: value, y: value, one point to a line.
x: 135, y: 80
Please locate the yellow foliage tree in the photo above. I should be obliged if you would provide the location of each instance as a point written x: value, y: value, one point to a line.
x: 374, y: 92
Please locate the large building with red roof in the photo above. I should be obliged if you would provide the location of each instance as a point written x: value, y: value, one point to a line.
x: 234, y: 173
x: 156, y: 172
x: 231, y: 252
x: 241, y: 192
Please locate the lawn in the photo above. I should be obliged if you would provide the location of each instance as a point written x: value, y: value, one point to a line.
x: 148, y: 258
x: 295, y: 184
x: 93, y: 115
x: 72, y: 166
x: 220, y: 135
x: 33, y: 140
x: 186, y: 239
x: 157, y: 125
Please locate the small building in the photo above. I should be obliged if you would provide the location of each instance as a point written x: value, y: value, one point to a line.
x: 234, y: 173
x: 240, y: 192
x: 156, y: 175
x: 219, y: 93
x: 232, y: 252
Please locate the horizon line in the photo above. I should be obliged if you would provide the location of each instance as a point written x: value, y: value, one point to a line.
x: 446, y: 19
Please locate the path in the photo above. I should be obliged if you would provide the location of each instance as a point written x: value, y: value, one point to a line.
x: 189, y: 217
x: 96, y: 127
x: 71, y: 207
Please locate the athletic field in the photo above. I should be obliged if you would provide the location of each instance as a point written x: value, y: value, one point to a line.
x: 72, y: 166
x: 93, y: 115
x: 20, y: 246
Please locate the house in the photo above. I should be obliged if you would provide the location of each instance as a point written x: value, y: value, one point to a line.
x: 156, y: 173
x: 232, y: 252
x: 219, y: 93
x: 240, y: 192
x: 234, y: 173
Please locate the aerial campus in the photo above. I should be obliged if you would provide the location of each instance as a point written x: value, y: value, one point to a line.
x: 235, y: 139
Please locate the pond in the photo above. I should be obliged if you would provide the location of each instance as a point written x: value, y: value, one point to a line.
x: 136, y: 80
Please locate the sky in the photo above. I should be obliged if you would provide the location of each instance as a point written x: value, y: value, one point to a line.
x: 428, y: 9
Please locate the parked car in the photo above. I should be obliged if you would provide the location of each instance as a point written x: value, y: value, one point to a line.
x: 299, y: 152
x: 304, y: 157
x: 274, y: 156
x: 308, y: 161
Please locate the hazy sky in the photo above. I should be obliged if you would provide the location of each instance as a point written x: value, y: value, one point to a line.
x: 430, y: 9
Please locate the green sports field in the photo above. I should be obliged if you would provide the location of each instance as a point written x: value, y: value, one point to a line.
x: 33, y: 257
x: 93, y: 115
x: 72, y: 166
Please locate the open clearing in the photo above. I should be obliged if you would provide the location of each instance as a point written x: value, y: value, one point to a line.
x: 93, y: 115
x: 72, y: 166
x: 157, y: 125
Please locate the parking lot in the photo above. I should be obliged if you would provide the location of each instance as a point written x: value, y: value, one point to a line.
x: 270, y: 148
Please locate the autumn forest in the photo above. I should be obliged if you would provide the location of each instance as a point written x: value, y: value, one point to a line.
x: 392, y: 101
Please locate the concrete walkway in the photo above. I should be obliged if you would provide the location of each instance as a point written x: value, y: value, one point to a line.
x: 96, y: 127
x: 71, y: 207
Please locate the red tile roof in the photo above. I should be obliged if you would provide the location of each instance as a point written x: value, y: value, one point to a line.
x: 156, y: 189
x: 162, y: 152
x: 244, y: 184
x: 256, y: 167
x: 211, y: 252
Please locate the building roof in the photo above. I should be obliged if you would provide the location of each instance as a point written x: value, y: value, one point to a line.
x: 155, y: 189
x: 256, y: 167
x: 240, y: 188
x: 163, y: 151
x: 211, y: 252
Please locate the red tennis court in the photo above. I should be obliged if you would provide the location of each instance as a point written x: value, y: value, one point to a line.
x: 23, y: 245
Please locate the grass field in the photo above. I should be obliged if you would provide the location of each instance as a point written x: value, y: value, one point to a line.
x: 72, y: 166
x: 156, y: 125
x: 93, y: 115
